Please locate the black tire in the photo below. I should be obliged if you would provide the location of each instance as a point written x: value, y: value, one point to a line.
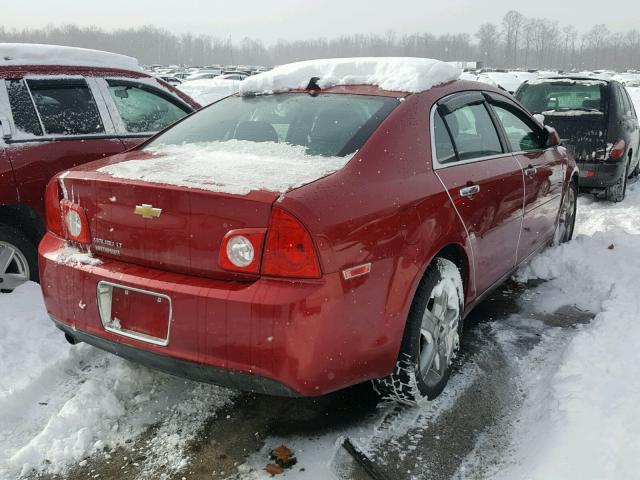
x: 567, y: 216
x: 616, y: 193
x: 636, y: 171
x: 27, y: 253
x: 410, y: 382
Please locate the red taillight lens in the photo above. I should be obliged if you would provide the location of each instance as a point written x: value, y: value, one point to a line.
x: 53, y: 212
x: 75, y: 223
x: 616, y: 152
x: 241, y: 250
x: 289, y: 250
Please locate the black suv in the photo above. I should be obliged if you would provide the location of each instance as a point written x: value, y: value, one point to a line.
x: 597, y: 120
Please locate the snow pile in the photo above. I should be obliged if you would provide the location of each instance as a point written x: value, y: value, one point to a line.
x: 35, y: 54
x: 234, y: 166
x: 209, y: 90
x: 401, y: 74
x: 69, y: 255
x: 23, y: 362
x: 60, y: 404
x: 580, y: 420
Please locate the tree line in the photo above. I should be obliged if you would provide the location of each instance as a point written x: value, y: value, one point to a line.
x: 515, y: 42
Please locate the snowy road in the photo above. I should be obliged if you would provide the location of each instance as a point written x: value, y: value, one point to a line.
x: 548, y: 383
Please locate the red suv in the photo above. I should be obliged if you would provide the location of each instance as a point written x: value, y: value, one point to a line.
x: 61, y: 107
x: 313, y: 237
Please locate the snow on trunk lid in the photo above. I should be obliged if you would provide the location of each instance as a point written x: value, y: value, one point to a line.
x: 235, y: 166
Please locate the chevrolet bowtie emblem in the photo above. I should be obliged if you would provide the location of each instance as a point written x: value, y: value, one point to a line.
x: 147, y: 211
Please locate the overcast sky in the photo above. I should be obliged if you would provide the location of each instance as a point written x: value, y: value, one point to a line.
x: 288, y: 19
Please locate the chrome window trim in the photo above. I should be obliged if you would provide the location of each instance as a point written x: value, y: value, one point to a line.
x: 163, y: 342
x: 103, y: 111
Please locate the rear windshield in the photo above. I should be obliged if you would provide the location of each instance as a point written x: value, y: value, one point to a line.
x: 563, y: 95
x: 332, y: 125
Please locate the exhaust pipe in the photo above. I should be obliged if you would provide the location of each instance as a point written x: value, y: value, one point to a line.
x: 70, y: 339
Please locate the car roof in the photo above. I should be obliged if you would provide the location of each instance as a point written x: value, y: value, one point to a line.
x: 574, y: 77
x: 20, y: 54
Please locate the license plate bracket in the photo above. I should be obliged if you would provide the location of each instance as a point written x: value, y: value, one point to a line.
x: 135, y: 313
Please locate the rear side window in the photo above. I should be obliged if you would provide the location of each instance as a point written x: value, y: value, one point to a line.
x: 522, y: 136
x: 445, y: 153
x: 24, y: 113
x: 473, y: 132
x: 325, y: 124
x: 142, y: 110
x: 563, y: 95
x: 66, y: 107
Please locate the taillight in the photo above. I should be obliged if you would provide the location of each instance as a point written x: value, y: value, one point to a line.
x: 289, y: 250
x: 53, y: 212
x: 616, y: 151
x: 76, y: 225
x: 241, y: 250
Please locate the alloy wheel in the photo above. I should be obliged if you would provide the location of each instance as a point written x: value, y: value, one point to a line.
x: 14, y: 268
x: 567, y: 214
x: 438, y: 336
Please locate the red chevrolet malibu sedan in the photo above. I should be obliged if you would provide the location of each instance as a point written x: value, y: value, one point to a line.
x: 332, y: 224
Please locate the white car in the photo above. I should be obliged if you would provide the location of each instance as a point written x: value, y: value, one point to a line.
x: 504, y: 80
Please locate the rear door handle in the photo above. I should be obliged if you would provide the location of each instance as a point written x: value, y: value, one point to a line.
x: 530, y: 171
x: 469, y: 191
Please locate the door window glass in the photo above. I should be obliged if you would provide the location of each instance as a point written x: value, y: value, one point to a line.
x: 473, y: 132
x: 445, y: 153
x: 142, y: 110
x: 24, y: 113
x: 66, y: 107
x: 522, y: 136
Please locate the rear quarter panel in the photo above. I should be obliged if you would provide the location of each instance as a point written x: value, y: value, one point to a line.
x: 386, y: 207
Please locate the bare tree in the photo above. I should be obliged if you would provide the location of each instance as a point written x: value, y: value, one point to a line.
x: 512, y: 24
x: 488, y: 41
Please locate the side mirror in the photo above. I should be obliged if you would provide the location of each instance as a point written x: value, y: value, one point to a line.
x: 5, y: 128
x: 553, y: 139
x: 121, y: 93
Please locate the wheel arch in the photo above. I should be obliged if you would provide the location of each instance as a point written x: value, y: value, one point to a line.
x: 25, y: 219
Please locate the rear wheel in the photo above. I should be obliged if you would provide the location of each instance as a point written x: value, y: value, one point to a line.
x: 18, y: 259
x: 616, y: 192
x: 431, y: 338
x: 567, y: 216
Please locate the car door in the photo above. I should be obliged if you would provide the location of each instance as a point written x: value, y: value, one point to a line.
x: 631, y: 126
x: 56, y: 124
x: 140, y: 110
x: 543, y: 173
x: 484, y: 182
x: 8, y: 192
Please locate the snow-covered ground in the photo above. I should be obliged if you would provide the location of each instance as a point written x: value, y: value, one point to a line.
x: 61, y: 406
x: 580, y: 417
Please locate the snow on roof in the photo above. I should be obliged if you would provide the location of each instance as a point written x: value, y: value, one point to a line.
x: 209, y: 90
x: 402, y: 74
x: 235, y: 166
x: 568, y: 81
x: 36, y: 54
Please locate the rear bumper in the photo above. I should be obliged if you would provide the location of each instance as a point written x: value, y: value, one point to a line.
x: 270, y: 336
x: 181, y: 368
x: 600, y: 175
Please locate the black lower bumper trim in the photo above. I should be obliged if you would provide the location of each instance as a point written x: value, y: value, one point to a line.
x: 182, y: 368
